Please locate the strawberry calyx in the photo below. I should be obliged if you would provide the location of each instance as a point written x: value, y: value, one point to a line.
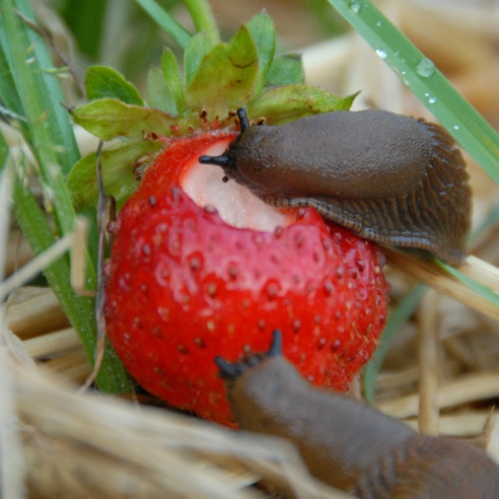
x: 218, y: 79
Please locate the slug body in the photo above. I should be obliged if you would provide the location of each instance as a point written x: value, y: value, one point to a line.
x: 349, y: 445
x: 389, y: 178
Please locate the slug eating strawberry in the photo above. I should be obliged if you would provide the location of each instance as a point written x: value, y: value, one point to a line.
x: 184, y: 286
x: 201, y: 267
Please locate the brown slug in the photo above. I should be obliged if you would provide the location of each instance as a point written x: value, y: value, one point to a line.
x: 390, y: 178
x: 348, y: 444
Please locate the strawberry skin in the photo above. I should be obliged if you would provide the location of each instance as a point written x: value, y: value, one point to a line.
x: 184, y: 287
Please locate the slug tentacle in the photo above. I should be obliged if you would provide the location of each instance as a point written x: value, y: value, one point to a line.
x: 229, y: 371
x: 244, y: 123
x: 352, y: 446
x: 389, y: 178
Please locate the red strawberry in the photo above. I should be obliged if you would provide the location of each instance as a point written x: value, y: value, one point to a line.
x: 184, y: 286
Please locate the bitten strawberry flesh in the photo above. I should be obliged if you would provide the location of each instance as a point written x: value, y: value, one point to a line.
x: 184, y: 286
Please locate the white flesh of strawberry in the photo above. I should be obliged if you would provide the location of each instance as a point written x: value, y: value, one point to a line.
x: 236, y: 204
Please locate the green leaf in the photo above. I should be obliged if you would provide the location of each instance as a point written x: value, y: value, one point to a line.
x: 158, y: 93
x: 102, y: 81
x: 199, y: 45
x: 426, y: 82
x: 262, y: 32
x: 282, y: 104
x: 173, y: 79
x: 286, y: 70
x: 111, y: 118
x: 226, y: 77
x: 117, y: 172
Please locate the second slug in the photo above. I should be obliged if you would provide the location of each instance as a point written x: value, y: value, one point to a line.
x: 389, y: 178
x: 349, y: 445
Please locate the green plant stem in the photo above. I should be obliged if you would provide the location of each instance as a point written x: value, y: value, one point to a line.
x: 166, y: 22
x: 425, y: 82
x: 203, y: 19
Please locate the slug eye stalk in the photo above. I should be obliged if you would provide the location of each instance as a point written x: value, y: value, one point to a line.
x: 229, y: 371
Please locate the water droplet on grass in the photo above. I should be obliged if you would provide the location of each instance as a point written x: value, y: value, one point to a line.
x: 354, y: 6
x: 381, y: 53
x: 425, y: 68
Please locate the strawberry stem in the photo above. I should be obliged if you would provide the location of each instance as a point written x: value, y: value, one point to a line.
x: 203, y: 18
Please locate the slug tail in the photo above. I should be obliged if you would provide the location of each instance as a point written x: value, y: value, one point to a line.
x: 433, y: 217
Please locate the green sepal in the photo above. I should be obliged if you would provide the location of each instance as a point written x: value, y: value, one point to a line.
x: 117, y: 172
x: 199, y: 45
x: 111, y: 118
x: 226, y: 77
x: 282, y: 104
x: 102, y: 81
x: 261, y: 28
x: 158, y: 94
x: 286, y: 70
x: 174, y: 81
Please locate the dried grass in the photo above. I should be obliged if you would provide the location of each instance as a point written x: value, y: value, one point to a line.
x: 441, y: 375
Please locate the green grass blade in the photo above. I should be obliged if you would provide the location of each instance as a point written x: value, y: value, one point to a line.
x: 425, y: 81
x: 396, y: 320
x: 484, y: 291
x: 112, y: 377
x: 38, y: 92
x: 176, y: 32
x: 49, y: 134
